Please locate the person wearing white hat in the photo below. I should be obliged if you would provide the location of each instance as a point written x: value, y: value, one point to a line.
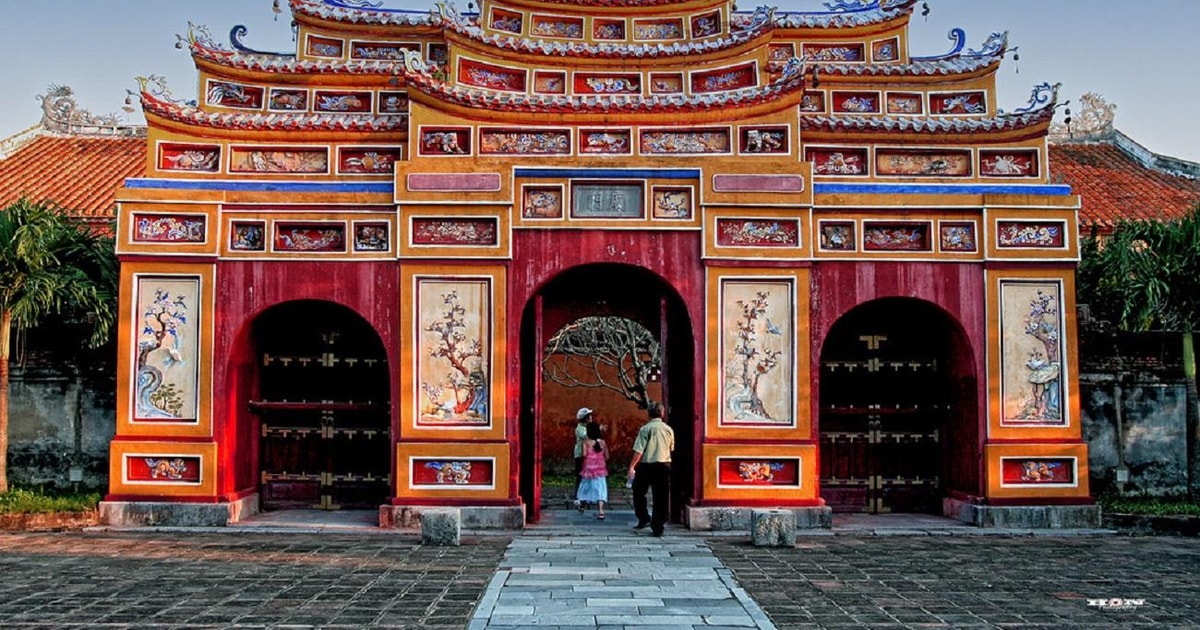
x: 581, y: 418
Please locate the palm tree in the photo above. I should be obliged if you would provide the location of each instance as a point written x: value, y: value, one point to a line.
x: 1146, y: 276
x: 51, y: 264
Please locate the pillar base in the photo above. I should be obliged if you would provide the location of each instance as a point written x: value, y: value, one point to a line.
x: 1023, y: 516
x: 719, y: 519
x: 168, y: 514
x: 473, y: 517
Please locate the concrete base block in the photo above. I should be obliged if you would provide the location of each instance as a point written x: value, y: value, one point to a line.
x: 1023, y: 516
x: 773, y: 528
x: 725, y: 519
x: 148, y: 514
x: 441, y: 526
x: 473, y: 517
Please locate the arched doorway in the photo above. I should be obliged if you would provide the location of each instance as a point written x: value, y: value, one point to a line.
x: 898, y: 416
x: 321, y: 398
x: 617, y: 301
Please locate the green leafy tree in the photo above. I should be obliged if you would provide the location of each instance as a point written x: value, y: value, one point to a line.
x: 1146, y: 276
x: 51, y: 265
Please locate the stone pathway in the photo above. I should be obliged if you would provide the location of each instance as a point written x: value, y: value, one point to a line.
x: 620, y: 580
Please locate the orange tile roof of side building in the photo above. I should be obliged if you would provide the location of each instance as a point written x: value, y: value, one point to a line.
x: 79, y: 173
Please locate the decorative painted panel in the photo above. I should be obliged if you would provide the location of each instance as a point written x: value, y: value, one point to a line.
x: 556, y: 26
x: 885, y: 50
x: 1008, y: 163
x: 607, y: 83
x: 191, y: 158
x: 957, y: 237
x: 757, y: 352
x: 389, y: 51
x: 1030, y: 234
x: 671, y: 202
x: 735, y: 232
x: 1039, y: 471
x: 453, y: 357
x: 922, y: 163
x: 606, y: 201
x: 324, y: 47
x: 169, y: 228
x: 474, y: 232
x: 856, y: 102
x: 248, y: 236
x: 725, y: 79
x: 837, y: 236
x: 758, y: 471
x: 524, y: 141
x: 368, y: 160
x: 452, y: 472
x: 950, y: 103
x: 292, y: 160
x: 773, y: 139
x: 168, y: 342
x: 437, y: 54
x: 896, y: 237
x: 233, y: 95
x: 605, y: 141
x: 779, y: 54
x: 834, y: 52
x: 372, y: 236
x: 1031, y: 351
x: 550, y: 82
x: 706, y: 24
x: 686, y: 142
x: 490, y: 76
x: 658, y: 29
x: 339, y: 102
x: 813, y: 102
x: 541, y: 202
x: 838, y: 160
x: 162, y: 469
x: 312, y: 237
x: 608, y: 29
x: 288, y: 100
x: 904, y: 103
x: 445, y: 140
x: 393, y: 102
x: 507, y: 21
x: 666, y: 83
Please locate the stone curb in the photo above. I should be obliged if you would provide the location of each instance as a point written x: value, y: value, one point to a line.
x: 1144, y: 525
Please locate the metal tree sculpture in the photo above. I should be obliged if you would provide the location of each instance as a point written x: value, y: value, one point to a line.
x: 594, y: 352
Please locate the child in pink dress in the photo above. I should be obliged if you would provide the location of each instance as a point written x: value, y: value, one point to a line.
x: 594, y: 484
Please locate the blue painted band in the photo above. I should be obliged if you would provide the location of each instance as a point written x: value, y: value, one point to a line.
x: 610, y: 173
x: 834, y: 188
x: 222, y: 184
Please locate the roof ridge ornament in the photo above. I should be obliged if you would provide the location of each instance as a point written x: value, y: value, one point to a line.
x: 198, y: 36
x: 1043, y: 94
x: 852, y: 5
x: 235, y: 38
x: 995, y: 43
x: 155, y: 87
x: 956, y: 35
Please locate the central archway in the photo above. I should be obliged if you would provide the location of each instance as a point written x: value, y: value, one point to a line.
x: 599, y: 295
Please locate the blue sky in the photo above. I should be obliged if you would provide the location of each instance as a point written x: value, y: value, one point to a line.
x: 1138, y: 55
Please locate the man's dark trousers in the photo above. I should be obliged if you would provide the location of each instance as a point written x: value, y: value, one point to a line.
x: 656, y: 478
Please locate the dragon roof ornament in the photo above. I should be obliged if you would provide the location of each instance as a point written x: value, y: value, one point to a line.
x: 994, y: 46
x: 235, y: 37
x: 1044, y: 96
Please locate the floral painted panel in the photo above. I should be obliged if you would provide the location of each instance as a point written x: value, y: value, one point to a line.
x: 922, y: 163
x: 608, y: 29
x: 605, y: 141
x: 169, y: 228
x: 324, y: 47
x: 339, y: 102
x: 557, y: 26
x: 452, y: 472
x: 507, y: 21
x: 837, y: 236
x: 685, y: 142
x: 725, y: 79
x: 165, y: 469
x: 288, y: 100
x: 764, y: 140
x: 904, y: 103
x: 957, y: 237
x: 168, y: 341
x: 454, y: 350
x: 1005, y: 163
x: 1031, y: 351
x: 393, y: 102
x: 524, y: 141
x: 455, y: 232
x: 757, y: 352
x: 1038, y: 471
x: 834, y: 52
x: 278, y: 160
x: 758, y: 232
x: 233, y: 95
x: 368, y: 160
x: 903, y: 237
x: 323, y: 238
x: 885, y: 50
x: 758, y: 471
x: 671, y: 202
x: 542, y: 202
x: 958, y: 103
x: 248, y: 236
x: 838, y: 161
x: 1030, y: 234
x: 445, y: 141
x: 492, y: 77
x: 381, y: 51
x: 856, y: 102
x: 372, y: 236
x: 660, y: 29
x: 192, y: 158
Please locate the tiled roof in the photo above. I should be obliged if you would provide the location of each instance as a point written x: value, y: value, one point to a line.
x: 924, y: 124
x: 1115, y: 186
x: 77, y: 173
